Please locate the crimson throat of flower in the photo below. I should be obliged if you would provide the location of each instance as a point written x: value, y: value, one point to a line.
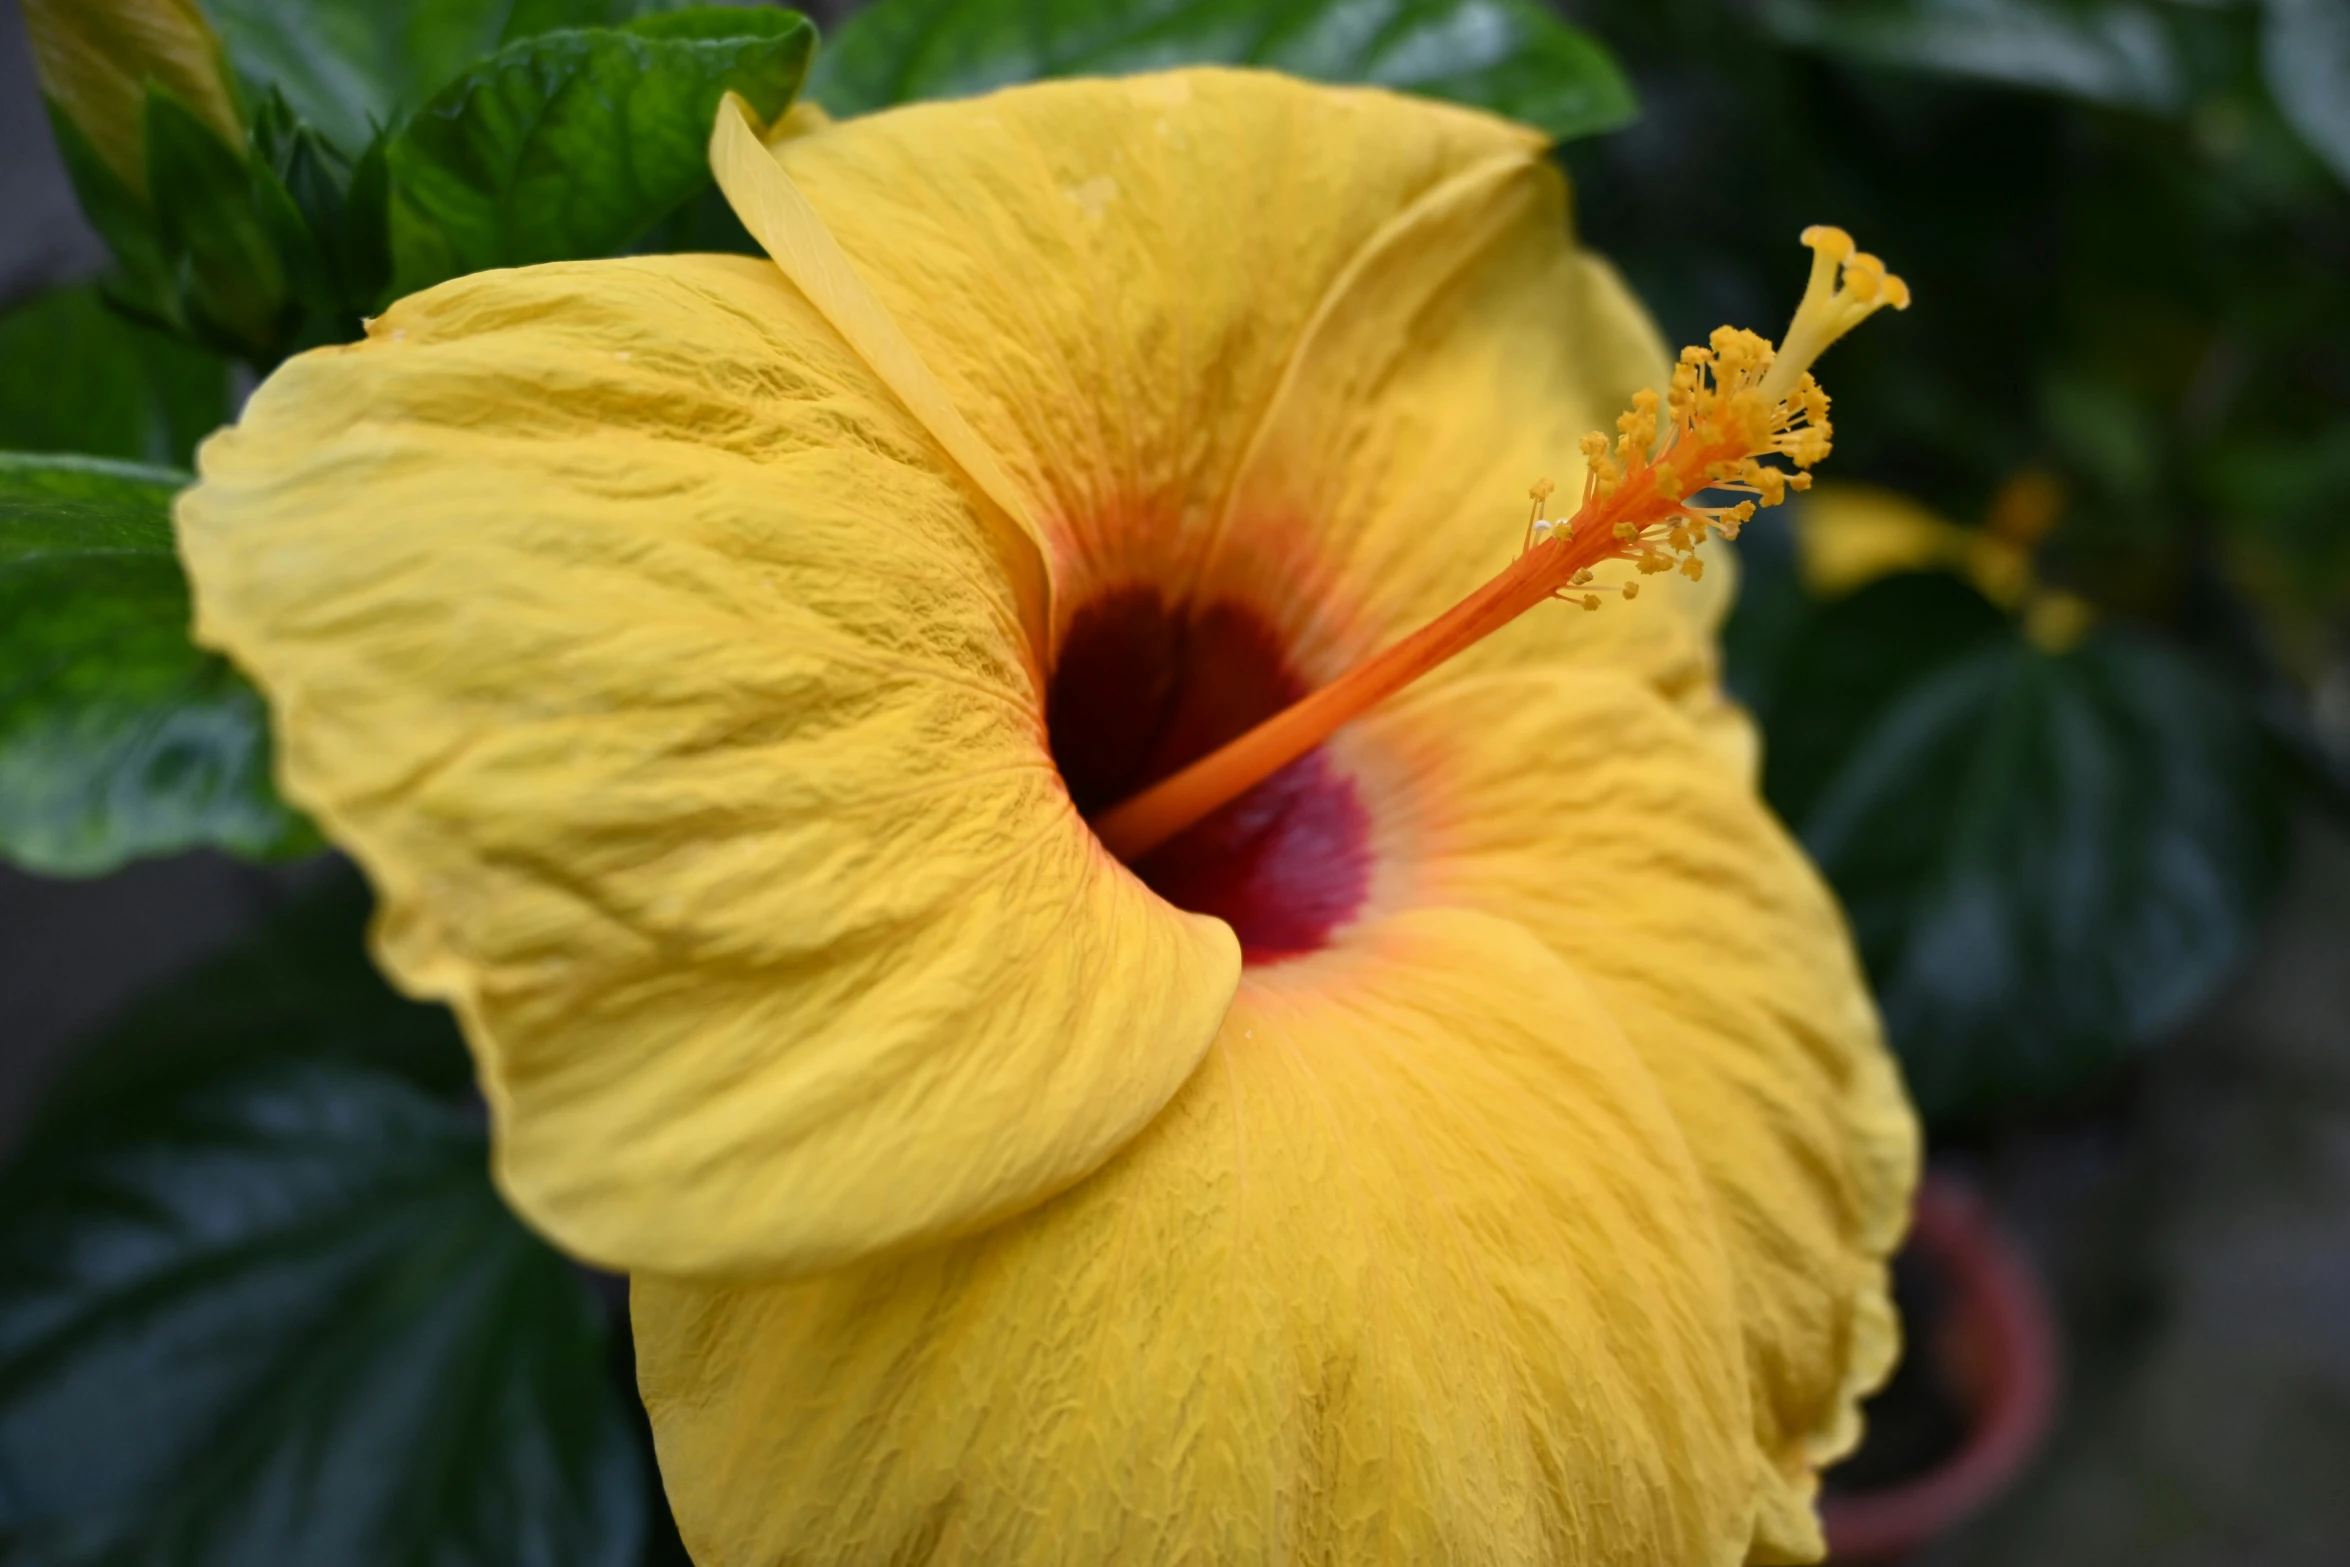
x: 1665, y: 487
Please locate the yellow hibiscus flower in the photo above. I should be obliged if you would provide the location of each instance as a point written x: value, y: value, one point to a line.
x: 1470, y: 1140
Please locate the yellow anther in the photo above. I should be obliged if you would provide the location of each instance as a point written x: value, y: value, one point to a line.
x: 1847, y: 286
x: 1864, y: 276
x: 1739, y: 414
x: 1828, y: 240
x: 1542, y: 490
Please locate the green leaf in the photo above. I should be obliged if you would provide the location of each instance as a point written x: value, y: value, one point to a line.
x: 118, y: 737
x: 2048, y: 858
x: 1514, y: 57
x: 76, y: 376
x: 2109, y: 51
x: 272, y: 1312
x: 1846, y: 665
x: 233, y: 289
x: 575, y: 143
x: 352, y: 67
x: 325, y: 215
x: 148, y: 280
x: 2305, y: 50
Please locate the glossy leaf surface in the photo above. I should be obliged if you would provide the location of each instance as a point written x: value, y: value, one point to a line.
x: 350, y: 67
x: 2112, y: 51
x: 2048, y: 857
x: 1514, y: 57
x: 259, y: 1304
x: 575, y: 143
x: 2305, y: 50
x: 118, y: 737
x: 76, y: 376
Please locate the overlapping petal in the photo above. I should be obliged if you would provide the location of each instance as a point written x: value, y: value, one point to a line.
x: 678, y: 695
x: 1229, y: 329
x: 1469, y: 350
x: 1590, y: 813
x: 1417, y: 1267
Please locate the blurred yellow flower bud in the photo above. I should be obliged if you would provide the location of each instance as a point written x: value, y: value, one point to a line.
x: 1851, y: 534
x: 96, y: 58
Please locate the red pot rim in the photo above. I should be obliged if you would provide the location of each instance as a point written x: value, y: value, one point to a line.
x: 2000, y: 1348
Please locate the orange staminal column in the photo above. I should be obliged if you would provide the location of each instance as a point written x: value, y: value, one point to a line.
x: 1652, y: 499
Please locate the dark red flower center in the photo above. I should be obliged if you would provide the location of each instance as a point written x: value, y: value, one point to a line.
x: 1141, y: 689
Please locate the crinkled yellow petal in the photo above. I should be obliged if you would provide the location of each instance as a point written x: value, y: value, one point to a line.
x: 1593, y: 814
x: 1470, y: 350
x: 1417, y: 1268
x: 673, y: 687
x: 1111, y: 277
x: 773, y: 209
x: 1242, y: 336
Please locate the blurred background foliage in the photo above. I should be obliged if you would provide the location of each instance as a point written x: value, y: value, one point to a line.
x: 2045, y: 670
x: 2049, y: 772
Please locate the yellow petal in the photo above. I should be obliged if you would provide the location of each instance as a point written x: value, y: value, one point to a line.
x: 773, y: 209
x: 1416, y: 1268
x: 1583, y: 807
x: 675, y: 693
x: 1469, y: 351
x: 1255, y: 340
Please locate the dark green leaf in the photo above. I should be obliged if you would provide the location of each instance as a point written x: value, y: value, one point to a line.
x: 1847, y: 664
x: 1511, y: 56
x: 148, y: 280
x: 233, y: 288
x: 2305, y: 49
x: 78, y: 377
x: 118, y: 737
x: 350, y: 67
x: 2111, y: 51
x: 2048, y: 858
x: 575, y: 143
x: 324, y: 214
x: 273, y: 1315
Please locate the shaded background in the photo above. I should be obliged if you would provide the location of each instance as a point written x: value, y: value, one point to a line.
x: 2188, y: 1196
x: 72, y: 952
